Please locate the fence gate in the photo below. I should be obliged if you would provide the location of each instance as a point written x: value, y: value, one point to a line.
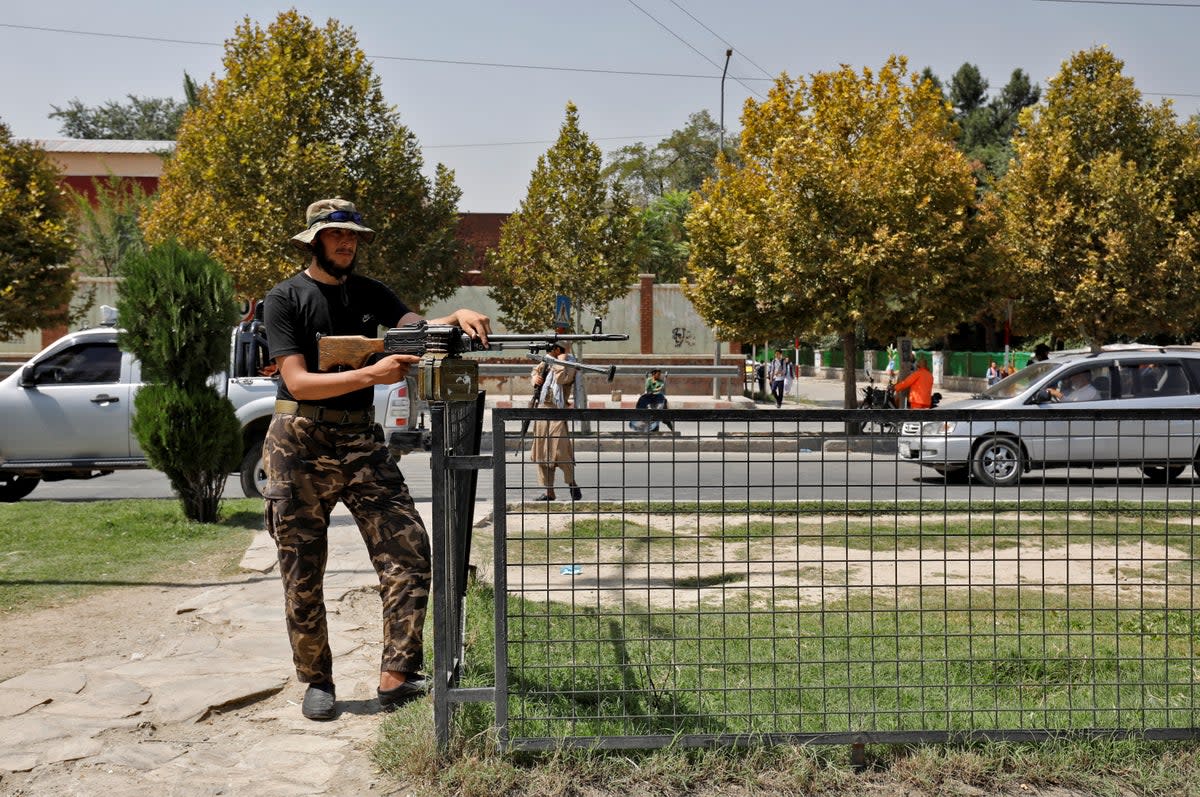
x: 455, y: 431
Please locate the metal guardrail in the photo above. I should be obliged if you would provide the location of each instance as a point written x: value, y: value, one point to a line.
x: 523, y: 368
x: 731, y: 375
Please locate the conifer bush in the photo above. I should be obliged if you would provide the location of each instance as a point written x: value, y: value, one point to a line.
x: 176, y: 311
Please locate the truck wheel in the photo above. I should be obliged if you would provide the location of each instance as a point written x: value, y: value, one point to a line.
x: 997, y: 462
x: 14, y: 486
x: 253, y: 472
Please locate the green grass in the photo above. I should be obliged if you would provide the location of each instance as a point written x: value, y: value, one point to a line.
x: 52, y: 552
x: 755, y: 660
x: 1177, y: 510
x: 631, y: 678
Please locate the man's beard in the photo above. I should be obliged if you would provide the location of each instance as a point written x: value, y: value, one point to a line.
x: 331, y: 268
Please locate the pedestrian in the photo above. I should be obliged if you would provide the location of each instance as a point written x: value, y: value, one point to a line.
x: 552, y: 447
x: 655, y: 384
x: 323, y: 446
x: 919, y: 385
x: 777, y: 376
x: 654, y: 397
x: 993, y: 373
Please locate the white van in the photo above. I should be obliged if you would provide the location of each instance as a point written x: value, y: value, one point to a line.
x: 996, y: 452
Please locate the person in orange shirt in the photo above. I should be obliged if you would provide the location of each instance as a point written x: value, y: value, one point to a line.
x: 919, y: 385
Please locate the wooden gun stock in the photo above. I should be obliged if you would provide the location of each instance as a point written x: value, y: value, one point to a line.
x: 351, y: 350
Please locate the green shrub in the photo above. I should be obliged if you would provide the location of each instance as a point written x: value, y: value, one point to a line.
x: 193, y: 436
x: 176, y: 310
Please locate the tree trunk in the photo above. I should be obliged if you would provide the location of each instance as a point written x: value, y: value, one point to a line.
x: 849, y: 377
x: 849, y: 372
x: 989, y: 333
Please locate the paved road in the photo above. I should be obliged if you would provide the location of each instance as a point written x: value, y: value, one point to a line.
x: 677, y: 468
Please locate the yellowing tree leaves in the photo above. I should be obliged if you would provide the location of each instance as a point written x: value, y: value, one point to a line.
x: 851, y: 210
x: 570, y: 236
x: 298, y: 116
x: 36, y: 285
x: 1097, y: 215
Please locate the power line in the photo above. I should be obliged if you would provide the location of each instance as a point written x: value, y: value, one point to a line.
x: 455, y: 62
x: 530, y: 143
x: 1123, y: 3
x: 722, y: 40
x: 690, y: 46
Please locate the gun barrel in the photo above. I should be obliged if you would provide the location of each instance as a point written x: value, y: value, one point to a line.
x: 609, y: 371
x: 506, y: 340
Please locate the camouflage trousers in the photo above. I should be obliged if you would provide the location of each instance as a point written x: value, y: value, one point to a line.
x: 310, y: 467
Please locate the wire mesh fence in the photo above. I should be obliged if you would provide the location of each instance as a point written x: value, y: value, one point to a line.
x: 733, y: 577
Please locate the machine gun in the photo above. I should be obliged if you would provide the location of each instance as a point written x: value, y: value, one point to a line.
x: 442, y: 375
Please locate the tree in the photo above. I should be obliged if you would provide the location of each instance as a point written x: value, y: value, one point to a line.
x: 662, y: 242
x: 108, y: 228
x: 1097, y: 216
x: 968, y: 90
x: 570, y: 236
x: 35, y: 284
x: 852, y: 209
x: 987, y: 131
x: 661, y: 181
x: 680, y: 162
x: 142, y: 118
x: 299, y: 115
x: 176, y: 309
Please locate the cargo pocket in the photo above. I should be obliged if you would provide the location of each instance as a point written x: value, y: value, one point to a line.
x: 277, y: 498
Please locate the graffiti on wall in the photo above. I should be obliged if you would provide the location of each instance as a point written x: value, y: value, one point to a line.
x: 683, y: 337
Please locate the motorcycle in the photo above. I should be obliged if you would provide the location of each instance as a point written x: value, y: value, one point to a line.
x: 879, y: 398
x: 884, y: 398
x: 650, y: 401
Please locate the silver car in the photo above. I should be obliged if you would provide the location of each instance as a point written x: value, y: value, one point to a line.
x: 996, y: 452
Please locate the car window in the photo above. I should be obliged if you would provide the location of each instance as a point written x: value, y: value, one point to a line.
x: 1192, y: 364
x: 84, y: 363
x: 1152, y: 379
x: 1017, y: 383
x: 1086, y: 383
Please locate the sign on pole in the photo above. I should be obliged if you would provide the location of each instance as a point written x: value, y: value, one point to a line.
x: 562, y: 313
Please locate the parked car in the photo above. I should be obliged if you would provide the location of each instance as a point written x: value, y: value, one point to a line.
x: 67, y: 411
x: 997, y: 452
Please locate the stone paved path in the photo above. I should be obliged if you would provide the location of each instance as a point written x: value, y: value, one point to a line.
x: 211, y: 707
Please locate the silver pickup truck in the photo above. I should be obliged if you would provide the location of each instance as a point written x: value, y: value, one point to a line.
x: 66, y: 413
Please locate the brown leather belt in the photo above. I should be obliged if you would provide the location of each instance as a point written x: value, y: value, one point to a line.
x: 321, y: 414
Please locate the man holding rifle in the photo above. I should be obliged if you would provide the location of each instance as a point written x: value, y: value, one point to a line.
x: 552, y: 447
x: 323, y: 446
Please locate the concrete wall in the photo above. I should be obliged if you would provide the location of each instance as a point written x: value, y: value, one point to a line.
x: 22, y: 348
x: 663, y: 329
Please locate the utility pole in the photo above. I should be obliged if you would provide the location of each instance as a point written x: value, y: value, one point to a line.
x: 720, y: 151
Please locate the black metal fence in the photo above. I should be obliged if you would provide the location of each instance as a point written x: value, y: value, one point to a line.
x: 741, y: 577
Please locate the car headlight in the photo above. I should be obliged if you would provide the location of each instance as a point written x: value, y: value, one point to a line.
x: 937, y: 428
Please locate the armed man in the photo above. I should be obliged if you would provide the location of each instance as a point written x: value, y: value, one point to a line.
x: 323, y: 446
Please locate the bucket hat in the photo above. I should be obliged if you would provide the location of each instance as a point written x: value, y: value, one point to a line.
x: 325, y: 213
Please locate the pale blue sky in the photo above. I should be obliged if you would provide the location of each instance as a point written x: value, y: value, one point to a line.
x: 468, y: 116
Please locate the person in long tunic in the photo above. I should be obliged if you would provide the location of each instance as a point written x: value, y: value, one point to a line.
x: 552, y: 446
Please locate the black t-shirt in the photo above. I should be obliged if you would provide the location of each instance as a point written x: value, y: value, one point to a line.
x: 299, y: 309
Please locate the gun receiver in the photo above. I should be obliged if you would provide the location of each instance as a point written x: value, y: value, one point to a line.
x: 419, y: 340
x: 441, y: 375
